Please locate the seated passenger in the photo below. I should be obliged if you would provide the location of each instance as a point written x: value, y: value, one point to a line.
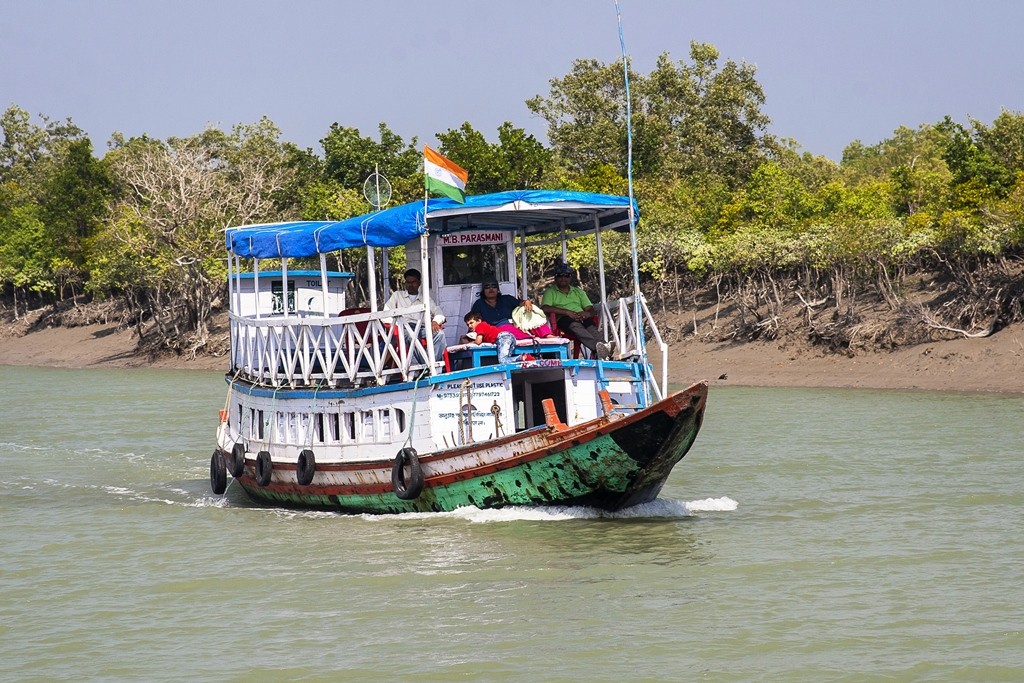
x: 495, y: 307
x: 573, y: 311
x: 411, y: 295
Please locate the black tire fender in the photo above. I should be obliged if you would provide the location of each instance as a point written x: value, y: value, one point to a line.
x: 264, y: 468
x: 236, y: 463
x: 407, y: 489
x: 305, y: 467
x: 218, y: 472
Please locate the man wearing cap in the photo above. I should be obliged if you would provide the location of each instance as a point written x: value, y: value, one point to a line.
x: 573, y: 311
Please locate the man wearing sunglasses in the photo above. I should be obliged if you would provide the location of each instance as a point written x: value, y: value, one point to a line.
x: 496, y: 308
x: 573, y: 311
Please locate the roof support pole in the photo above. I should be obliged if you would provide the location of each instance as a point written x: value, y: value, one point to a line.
x: 524, y: 292
x: 232, y: 287
x: 565, y: 249
x: 284, y: 286
x: 600, y: 270
x: 428, y: 329
x: 371, y: 273
x: 385, y: 269
x: 323, y: 282
x: 256, y: 285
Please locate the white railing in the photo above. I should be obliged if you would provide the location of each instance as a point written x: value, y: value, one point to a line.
x: 355, y: 349
x: 618, y: 320
x: 373, y: 347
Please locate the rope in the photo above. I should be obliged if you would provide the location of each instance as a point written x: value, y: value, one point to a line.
x: 241, y: 422
x: 227, y: 406
x: 312, y: 412
x: 412, y: 417
x: 462, y: 422
x: 467, y: 391
x: 496, y: 412
x: 266, y: 419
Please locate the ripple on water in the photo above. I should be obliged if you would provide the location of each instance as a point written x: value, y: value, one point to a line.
x: 875, y: 537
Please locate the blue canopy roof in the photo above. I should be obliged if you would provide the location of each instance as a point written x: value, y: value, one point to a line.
x: 531, y: 210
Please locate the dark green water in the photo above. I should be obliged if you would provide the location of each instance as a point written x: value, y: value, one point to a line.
x: 811, y: 535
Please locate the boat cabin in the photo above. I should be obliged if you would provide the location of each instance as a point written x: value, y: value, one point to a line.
x: 294, y: 328
x: 309, y: 293
x: 467, y: 259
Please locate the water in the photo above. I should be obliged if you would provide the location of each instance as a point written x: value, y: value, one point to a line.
x: 811, y: 535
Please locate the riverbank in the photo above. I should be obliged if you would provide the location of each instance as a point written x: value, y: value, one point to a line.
x: 989, y: 364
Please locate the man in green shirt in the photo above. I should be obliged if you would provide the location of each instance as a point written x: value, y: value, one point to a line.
x: 573, y: 311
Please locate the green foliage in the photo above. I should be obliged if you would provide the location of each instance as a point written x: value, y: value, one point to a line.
x: 53, y: 195
x: 601, y: 178
x: 586, y: 115
x: 776, y: 198
x: 75, y: 200
x: 22, y: 263
x: 125, y: 258
x: 720, y: 198
x: 1004, y: 141
x: 327, y: 200
x: 517, y: 162
x: 676, y: 217
x: 972, y: 162
x: 1011, y: 214
x: 163, y: 245
x: 350, y: 158
x: 696, y: 117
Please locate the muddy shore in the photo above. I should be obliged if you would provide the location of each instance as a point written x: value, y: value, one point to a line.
x: 989, y: 364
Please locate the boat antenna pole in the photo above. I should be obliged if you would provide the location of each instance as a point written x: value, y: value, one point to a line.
x: 428, y: 332
x: 637, y: 303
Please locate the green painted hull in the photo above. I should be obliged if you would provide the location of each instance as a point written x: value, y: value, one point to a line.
x: 609, y: 464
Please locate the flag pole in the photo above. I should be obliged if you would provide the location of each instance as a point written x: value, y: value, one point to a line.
x: 428, y: 330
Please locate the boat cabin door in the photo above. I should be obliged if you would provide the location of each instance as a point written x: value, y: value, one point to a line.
x: 459, y: 263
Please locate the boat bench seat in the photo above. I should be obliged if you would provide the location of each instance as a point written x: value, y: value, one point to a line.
x: 464, y: 356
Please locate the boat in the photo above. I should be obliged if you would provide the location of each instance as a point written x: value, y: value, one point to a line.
x: 336, y: 404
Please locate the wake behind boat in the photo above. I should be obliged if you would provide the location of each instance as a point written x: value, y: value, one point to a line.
x: 352, y: 408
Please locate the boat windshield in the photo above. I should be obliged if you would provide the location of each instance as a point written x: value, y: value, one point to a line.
x: 471, y: 263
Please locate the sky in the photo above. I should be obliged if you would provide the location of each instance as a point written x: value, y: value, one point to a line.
x: 832, y: 71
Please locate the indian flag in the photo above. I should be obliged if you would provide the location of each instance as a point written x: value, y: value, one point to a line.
x: 444, y: 176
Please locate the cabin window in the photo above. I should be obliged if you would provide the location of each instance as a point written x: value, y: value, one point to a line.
x: 318, y: 427
x: 392, y: 423
x: 286, y: 425
x: 350, y: 426
x: 256, y: 423
x: 277, y: 292
x: 334, y: 420
x: 241, y: 413
x: 471, y: 263
x: 366, y: 425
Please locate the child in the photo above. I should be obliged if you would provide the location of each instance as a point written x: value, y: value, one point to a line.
x: 504, y: 336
